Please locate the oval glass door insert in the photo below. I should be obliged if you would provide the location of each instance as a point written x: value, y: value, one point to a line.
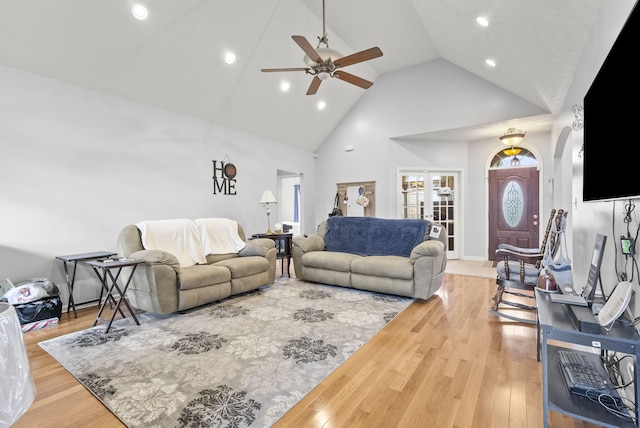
x: 512, y: 204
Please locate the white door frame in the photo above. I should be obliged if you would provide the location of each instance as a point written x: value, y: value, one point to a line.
x: 428, y: 172
x: 284, y: 216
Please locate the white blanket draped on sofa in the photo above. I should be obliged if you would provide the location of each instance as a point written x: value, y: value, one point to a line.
x: 191, y: 240
x: 219, y: 235
x: 179, y: 237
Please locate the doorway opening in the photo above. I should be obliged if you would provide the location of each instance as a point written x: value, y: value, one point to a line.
x: 513, y: 200
x: 432, y: 195
x: 290, y: 196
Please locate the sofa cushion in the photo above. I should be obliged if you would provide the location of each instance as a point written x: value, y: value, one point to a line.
x: 531, y: 273
x: 371, y: 236
x: 202, y: 276
x: 215, y: 258
x: 244, y: 266
x: 384, y: 266
x: 329, y: 260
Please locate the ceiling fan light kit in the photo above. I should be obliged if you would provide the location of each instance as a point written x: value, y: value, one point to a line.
x: 325, y: 54
x: 324, y: 63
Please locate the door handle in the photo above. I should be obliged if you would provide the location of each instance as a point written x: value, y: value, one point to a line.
x: 535, y: 223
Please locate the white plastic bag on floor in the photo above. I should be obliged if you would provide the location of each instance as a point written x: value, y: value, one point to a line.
x: 30, y: 290
x: 25, y: 294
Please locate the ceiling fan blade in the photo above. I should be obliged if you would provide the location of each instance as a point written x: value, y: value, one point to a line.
x: 269, y: 70
x: 315, y: 84
x: 354, y: 80
x: 358, y: 57
x: 307, y: 48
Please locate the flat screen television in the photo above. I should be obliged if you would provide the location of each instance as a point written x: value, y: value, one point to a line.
x: 610, y: 170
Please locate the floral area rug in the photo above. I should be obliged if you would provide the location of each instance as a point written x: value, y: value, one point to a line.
x: 241, y: 362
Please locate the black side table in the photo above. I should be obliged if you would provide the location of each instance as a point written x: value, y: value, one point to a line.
x: 283, y: 247
x: 115, y: 294
x: 75, y: 258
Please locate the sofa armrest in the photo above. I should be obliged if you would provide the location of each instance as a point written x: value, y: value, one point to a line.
x: 257, y: 247
x: 156, y: 257
x: 308, y: 243
x: 303, y: 244
x: 429, y: 260
x: 431, y: 248
x: 154, y: 285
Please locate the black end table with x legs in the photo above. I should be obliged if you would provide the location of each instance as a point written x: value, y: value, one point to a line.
x: 283, y: 247
x: 109, y: 270
x: 71, y: 277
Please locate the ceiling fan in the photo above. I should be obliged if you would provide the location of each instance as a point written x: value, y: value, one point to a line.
x: 324, y: 63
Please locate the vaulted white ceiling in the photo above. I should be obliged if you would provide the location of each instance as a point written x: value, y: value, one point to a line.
x: 174, y: 59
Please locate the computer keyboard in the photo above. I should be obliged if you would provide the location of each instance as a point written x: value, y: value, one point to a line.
x: 581, y: 374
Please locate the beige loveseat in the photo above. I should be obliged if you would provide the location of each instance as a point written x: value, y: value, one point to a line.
x: 393, y: 256
x: 189, y: 263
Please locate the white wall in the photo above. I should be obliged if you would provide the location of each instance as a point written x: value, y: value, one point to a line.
x: 76, y: 166
x: 429, y: 97
x: 589, y: 219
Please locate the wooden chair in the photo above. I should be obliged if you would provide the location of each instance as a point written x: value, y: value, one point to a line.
x: 518, y: 271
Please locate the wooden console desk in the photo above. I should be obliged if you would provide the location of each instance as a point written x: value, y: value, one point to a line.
x: 556, y: 324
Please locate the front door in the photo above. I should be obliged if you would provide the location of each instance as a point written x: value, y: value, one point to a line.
x: 513, y: 208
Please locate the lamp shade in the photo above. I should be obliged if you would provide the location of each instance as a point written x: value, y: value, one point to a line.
x: 17, y: 390
x: 513, y: 136
x: 268, y: 198
x: 513, y: 151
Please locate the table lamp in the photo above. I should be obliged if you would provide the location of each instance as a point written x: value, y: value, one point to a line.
x: 268, y: 198
x: 17, y: 389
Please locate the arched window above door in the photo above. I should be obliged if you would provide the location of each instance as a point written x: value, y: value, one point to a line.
x: 513, y: 156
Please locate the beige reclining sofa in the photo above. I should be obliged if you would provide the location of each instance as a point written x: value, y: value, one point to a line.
x: 404, y: 257
x: 189, y: 263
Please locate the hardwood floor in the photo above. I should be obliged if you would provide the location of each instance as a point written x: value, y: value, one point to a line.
x: 445, y: 362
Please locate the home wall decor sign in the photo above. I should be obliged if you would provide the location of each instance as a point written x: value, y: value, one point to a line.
x: 224, y: 174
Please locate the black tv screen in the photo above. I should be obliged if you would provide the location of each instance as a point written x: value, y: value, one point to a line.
x: 610, y: 170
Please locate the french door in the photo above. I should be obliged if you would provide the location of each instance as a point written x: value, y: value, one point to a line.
x: 431, y: 195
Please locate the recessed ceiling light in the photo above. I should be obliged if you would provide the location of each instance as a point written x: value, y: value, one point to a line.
x: 139, y: 12
x: 284, y: 86
x: 490, y: 63
x: 229, y: 58
x: 482, y: 21
x: 321, y: 105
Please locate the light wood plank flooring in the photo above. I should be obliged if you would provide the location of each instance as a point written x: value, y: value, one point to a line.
x: 445, y: 362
